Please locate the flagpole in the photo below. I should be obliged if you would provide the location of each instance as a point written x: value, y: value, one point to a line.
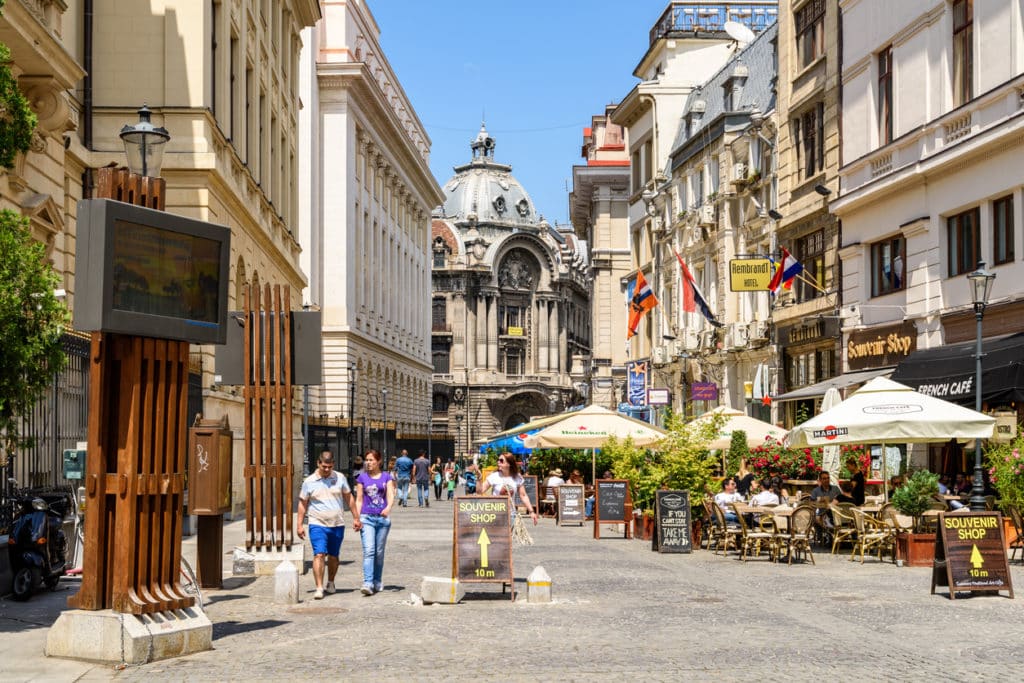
x: 810, y: 282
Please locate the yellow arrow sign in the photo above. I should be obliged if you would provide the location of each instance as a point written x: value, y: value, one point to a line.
x: 485, y: 541
x: 976, y: 559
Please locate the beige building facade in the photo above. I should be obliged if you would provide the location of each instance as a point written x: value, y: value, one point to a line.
x: 368, y: 231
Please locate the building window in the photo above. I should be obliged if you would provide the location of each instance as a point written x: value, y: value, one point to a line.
x: 885, y: 96
x: 963, y: 51
x: 964, y: 241
x: 439, y: 315
x: 809, y: 139
x: 440, y: 256
x: 810, y: 31
x: 810, y: 251
x: 1002, y: 230
x: 440, y: 404
x: 635, y: 168
x: 888, y: 266
x: 513, y: 362
x: 648, y: 161
x: 441, y: 353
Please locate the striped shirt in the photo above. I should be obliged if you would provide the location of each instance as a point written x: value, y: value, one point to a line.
x: 326, y: 498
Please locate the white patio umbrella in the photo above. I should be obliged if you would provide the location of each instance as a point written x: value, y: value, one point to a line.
x: 736, y: 420
x: 830, y: 454
x: 883, y: 411
x: 590, y: 428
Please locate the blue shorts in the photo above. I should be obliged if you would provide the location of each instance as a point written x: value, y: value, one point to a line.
x: 326, y: 540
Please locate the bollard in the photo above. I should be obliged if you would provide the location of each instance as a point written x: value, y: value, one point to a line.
x: 286, y: 584
x: 538, y: 586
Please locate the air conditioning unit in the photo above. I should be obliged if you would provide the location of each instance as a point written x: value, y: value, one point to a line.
x: 707, y: 340
x: 659, y: 355
x: 739, y: 173
x: 691, y: 340
x: 707, y: 214
x: 758, y: 331
x: 737, y: 336
x: 677, y: 347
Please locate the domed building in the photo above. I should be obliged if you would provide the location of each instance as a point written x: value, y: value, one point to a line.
x: 511, y: 306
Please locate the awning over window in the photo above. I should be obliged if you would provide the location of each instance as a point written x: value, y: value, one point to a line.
x: 948, y: 372
x: 839, y: 382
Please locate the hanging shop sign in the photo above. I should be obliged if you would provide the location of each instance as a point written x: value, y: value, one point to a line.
x: 703, y: 391
x: 749, y: 274
x: 881, y: 346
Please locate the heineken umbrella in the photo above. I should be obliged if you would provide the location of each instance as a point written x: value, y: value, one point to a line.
x: 590, y: 428
x: 883, y: 411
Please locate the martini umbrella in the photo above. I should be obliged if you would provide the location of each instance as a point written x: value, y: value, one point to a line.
x: 883, y: 411
x: 590, y: 428
x: 830, y: 454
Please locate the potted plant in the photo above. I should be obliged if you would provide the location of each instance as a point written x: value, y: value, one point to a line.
x: 638, y: 466
x: 1006, y: 473
x: 912, y: 499
x: 686, y: 463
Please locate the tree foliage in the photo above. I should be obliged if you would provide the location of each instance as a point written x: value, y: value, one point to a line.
x: 738, y: 451
x: 17, y: 120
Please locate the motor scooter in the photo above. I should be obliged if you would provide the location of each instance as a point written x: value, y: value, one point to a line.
x: 37, y: 547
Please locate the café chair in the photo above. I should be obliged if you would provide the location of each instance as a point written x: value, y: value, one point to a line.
x: 549, y: 503
x: 751, y: 539
x: 872, y: 535
x: 1018, y: 525
x: 801, y: 533
x: 726, y: 533
x: 845, y: 529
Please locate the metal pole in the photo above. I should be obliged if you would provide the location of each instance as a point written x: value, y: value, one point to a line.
x: 351, y: 409
x: 305, y: 429
x: 430, y: 428
x: 384, y: 393
x: 977, y: 502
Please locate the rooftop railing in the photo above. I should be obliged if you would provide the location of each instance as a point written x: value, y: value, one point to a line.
x: 686, y: 16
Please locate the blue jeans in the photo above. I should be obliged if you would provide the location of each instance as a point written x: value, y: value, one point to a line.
x: 374, y: 535
x: 588, y: 504
x: 403, y: 490
x: 423, y: 492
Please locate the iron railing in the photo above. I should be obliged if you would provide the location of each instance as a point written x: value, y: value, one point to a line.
x: 692, y: 16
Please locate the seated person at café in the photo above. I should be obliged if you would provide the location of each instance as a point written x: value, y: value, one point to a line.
x: 576, y: 478
x: 825, y: 488
x: 768, y: 495
x: 554, y: 478
x: 962, y: 485
x: 588, y: 504
x: 945, y: 491
x: 727, y: 496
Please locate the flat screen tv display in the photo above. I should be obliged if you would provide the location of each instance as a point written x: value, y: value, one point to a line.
x: 150, y: 273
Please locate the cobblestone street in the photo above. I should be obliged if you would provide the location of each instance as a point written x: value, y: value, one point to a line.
x: 620, y: 611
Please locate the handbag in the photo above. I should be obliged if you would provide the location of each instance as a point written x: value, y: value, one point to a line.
x: 520, y: 534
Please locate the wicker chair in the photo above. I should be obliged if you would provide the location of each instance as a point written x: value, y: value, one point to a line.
x: 871, y: 536
x: 753, y: 539
x: 801, y: 533
x: 845, y: 529
x: 1017, y: 543
x: 727, y: 534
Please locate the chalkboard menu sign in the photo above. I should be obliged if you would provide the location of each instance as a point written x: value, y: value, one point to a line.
x: 671, y: 522
x: 969, y: 553
x: 530, y: 484
x: 613, y: 504
x: 482, y: 540
x: 570, y: 504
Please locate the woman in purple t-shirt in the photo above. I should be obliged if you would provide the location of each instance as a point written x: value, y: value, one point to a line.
x: 375, y: 494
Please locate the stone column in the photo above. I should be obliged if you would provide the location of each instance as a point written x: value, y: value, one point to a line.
x: 542, y: 336
x: 492, y: 333
x: 470, y: 340
x: 481, y: 332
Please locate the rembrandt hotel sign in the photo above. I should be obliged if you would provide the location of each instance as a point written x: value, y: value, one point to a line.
x: 749, y: 274
x: 881, y: 346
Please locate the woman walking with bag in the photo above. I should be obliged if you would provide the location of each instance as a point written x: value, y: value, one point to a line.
x: 507, y: 482
x: 375, y: 495
x: 436, y: 478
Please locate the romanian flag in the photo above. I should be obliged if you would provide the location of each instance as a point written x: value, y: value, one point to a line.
x: 788, y: 269
x: 641, y: 300
x: 692, y: 296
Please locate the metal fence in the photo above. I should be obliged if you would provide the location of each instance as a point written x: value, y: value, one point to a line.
x: 57, y: 422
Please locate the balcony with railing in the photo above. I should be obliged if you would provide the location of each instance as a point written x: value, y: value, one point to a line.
x: 688, y: 16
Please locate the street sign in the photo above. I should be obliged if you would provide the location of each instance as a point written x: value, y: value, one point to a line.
x: 671, y: 522
x: 482, y: 540
x: 970, y: 554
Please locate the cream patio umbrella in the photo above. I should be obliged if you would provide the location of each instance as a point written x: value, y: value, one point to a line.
x: 590, y: 428
x: 736, y: 420
x: 883, y: 411
x: 830, y: 454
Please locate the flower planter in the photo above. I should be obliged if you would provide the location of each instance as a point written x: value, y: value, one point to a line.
x: 916, y: 550
x: 1009, y: 532
x: 695, y: 532
x: 643, y: 527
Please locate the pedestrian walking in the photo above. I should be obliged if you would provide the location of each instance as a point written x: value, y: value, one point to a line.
x: 472, y: 473
x: 437, y: 478
x: 507, y: 482
x: 324, y: 495
x: 452, y: 480
x: 421, y: 473
x: 375, y: 496
x: 403, y: 475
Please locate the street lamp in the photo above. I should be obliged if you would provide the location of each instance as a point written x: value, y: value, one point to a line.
x: 384, y: 401
x: 430, y: 428
x: 144, y: 145
x: 981, y: 287
x: 458, y: 436
x: 351, y: 409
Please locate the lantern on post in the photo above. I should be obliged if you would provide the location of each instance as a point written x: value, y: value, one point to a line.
x: 144, y: 145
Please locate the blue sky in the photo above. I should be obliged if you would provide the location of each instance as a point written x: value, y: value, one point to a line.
x: 535, y: 70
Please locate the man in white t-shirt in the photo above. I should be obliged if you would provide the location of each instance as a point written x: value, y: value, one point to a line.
x: 726, y: 496
x: 554, y: 478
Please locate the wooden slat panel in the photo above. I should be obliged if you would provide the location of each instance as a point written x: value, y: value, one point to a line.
x: 276, y: 452
x: 286, y: 482
x: 247, y: 399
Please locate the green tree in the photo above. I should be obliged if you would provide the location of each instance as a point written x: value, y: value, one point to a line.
x: 738, y: 451
x: 32, y: 319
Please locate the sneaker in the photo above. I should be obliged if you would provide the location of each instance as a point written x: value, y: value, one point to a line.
x: 377, y: 588
x: 367, y: 589
x: 329, y: 588
x: 428, y: 503
x: 318, y: 594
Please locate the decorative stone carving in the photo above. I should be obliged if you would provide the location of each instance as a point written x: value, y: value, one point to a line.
x: 516, y: 273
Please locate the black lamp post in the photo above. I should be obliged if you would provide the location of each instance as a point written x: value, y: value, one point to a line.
x: 351, y: 409
x: 430, y: 428
x: 384, y: 400
x: 144, y: 145
x: 981, y: 288
x: 458, y: 436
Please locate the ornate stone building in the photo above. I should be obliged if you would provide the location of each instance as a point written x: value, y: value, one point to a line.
x: 511, y: 322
